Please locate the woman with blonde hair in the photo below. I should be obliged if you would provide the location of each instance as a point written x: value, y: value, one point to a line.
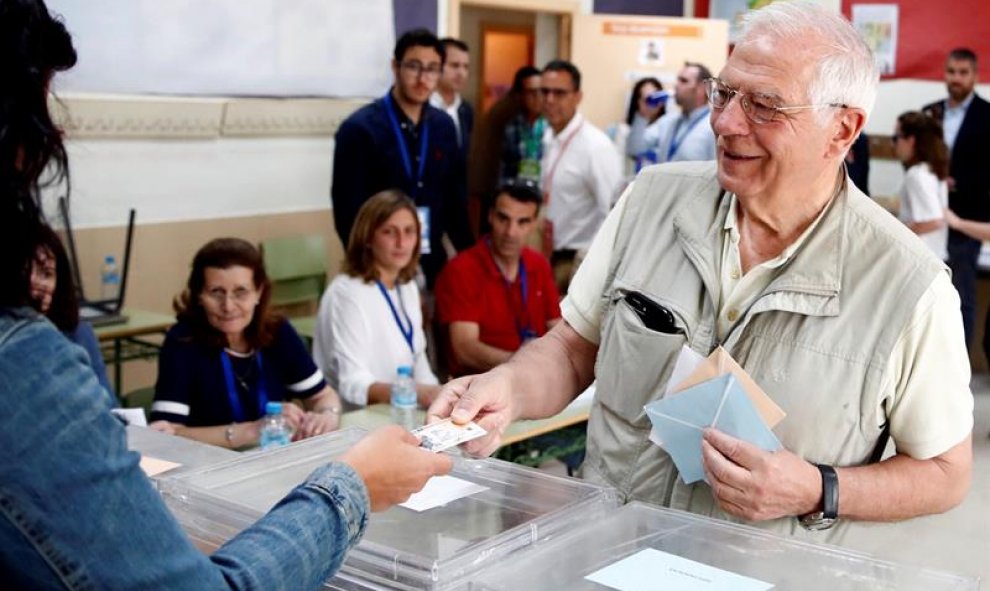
x: 370, y: 321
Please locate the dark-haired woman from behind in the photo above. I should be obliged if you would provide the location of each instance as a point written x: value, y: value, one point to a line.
x: 228, y: 356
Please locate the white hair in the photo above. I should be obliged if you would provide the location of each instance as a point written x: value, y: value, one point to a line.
x: 846, y: 73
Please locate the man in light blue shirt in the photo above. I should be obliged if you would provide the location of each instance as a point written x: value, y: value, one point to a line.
x: 686, y: 135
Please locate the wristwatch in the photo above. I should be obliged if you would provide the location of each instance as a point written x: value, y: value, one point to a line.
x: 829, y: 515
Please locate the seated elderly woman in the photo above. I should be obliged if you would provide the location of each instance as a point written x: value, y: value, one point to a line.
x: 228, y: 356
x: 370, y: 321
x: 53, y: 293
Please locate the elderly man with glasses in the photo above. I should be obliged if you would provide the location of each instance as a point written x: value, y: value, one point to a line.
x: 841, y: 315
x: 402, y: 142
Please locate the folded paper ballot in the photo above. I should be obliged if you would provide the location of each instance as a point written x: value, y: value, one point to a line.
x: 720, y: 362
x: 720, y: 403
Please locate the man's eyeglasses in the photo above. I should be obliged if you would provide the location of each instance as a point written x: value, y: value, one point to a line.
x: 557, y: 93
x: 896, y: 137
x: 240, y: 295
x: 415, y: 68
x: 759, y: 108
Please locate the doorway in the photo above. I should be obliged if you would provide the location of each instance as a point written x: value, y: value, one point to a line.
x: 504, y: 49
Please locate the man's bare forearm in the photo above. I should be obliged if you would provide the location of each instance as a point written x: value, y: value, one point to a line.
x: 902, y: 487
x: 548, y: 373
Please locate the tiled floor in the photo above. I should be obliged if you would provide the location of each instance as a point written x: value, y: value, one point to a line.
x: 957, y: 541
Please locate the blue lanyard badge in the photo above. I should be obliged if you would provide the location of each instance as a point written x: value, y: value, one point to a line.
x: 405, y: 328
x: 676, y: 142
x: 403, y: 150
x: 235, y: 401
x: 523, y: 328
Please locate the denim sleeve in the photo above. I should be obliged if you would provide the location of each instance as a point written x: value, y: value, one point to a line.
x: 76, y: 512
x: 303, y: 540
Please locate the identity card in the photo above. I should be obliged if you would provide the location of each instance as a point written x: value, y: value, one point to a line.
x: 437, y: 437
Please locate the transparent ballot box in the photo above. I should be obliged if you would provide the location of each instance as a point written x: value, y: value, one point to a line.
x: 642, y: 546
x: 438, y: 548
x: 189, y: 454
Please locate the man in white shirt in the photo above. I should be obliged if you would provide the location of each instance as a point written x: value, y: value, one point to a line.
x: 685, y: 135
x: 580, y: 168
x: 448, y: 98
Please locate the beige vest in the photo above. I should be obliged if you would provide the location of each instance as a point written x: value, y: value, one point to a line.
x: 817, y: 340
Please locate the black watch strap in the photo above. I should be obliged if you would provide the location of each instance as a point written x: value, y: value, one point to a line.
x: 830, y: 491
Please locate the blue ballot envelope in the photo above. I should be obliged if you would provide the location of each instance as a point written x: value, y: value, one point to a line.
x: 720, y: 402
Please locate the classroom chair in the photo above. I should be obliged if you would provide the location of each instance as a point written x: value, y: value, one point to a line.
x: 297, y: 268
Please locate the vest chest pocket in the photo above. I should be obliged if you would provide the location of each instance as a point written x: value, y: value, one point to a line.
x: 634, y: 362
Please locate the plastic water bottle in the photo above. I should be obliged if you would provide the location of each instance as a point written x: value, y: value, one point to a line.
x: 404, y: 398
x: 109, y: 278
x: 275, y: 431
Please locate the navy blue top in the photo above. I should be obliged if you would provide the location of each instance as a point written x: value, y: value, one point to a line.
x: 367, y: 159
x: 84, y: 336
x: 191, y: 388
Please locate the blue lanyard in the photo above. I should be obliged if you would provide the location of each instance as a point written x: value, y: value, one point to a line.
x: 407, y: 331
x: 676, y: 143
x: 522, y: 324
x: 235, y: 402
x: 403, y: 150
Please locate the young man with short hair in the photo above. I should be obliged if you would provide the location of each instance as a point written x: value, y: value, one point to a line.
x: 400, y: 142
x: 448, y: 97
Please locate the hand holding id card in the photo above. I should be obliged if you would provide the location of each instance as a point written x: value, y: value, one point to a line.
x: 443, y: 435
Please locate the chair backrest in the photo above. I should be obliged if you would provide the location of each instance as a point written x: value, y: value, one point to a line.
x: 297, y: 267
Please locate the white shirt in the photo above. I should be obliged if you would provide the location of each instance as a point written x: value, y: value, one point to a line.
x: 436, y: 99
x: 927, y: 354
x: 952, y: 120
x: 682, y: 138
x: 358, y: 342
x: 581, y: 175
x: 923, y: 199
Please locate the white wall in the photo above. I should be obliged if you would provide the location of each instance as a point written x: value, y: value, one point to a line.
x: 180, y: 180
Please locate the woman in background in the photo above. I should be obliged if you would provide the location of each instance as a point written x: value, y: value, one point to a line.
x: 370, y: 321
x: 919, y: 146
x: 228, y: 356
x: 641, y: 114
x: 54, y: 295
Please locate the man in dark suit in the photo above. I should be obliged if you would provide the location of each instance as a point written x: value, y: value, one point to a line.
x: 965, y: 121
x: 448, y: 95
x: 400, y: 142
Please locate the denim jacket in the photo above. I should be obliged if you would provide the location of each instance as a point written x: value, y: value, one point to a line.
x: 76, y: 512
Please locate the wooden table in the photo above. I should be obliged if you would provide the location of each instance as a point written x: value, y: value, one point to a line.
x: 379, y: 415
x: 139, y: 324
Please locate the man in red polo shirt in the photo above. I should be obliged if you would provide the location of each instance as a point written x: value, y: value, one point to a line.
x: 499, y: 293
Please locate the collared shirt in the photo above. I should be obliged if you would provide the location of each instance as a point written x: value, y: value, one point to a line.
x: 471, y: 288
x: 739, y: 291
x: 581, y: 174
x: 358, y: 342
x: 436, y: 99
x: 952, y: 120
x: 681, y: 137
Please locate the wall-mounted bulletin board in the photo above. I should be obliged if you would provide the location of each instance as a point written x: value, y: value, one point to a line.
x: 927, y: 30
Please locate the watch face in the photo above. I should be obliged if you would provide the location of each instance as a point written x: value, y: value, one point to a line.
x: 816, y: 521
